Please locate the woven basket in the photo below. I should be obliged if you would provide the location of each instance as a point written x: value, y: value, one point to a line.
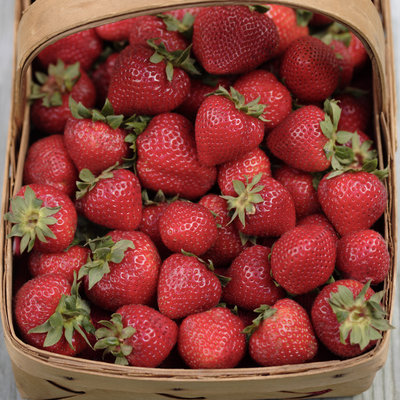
x: 42, y: 375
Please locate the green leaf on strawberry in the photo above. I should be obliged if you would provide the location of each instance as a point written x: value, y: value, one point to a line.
x: 184, y: 27
x: 264, y: 311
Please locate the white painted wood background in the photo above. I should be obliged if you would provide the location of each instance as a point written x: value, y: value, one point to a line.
x: 386, y: 385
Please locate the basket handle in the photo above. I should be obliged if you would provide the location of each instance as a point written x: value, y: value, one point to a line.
x: 46, y: 21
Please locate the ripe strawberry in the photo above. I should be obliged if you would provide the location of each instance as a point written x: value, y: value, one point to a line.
x: 50, y: 314
x: 263, y: 85
x: 50, y: 109
x: 83, y: 47
x: 303, y: 258
x: 43, y: 212
x: 66, y: 262
x: 318, y: 219
x: 188, y: 226
x: 48, y: 162
x: 116, y: 31
x: 356, y: 112
x: 212, y: 339
x: 137, y: 335
x: 283, y: 335
x: 320, y: 20
x: 249, y: 165
x: 233, y: 39
x: 227, y: 128
x: 352, y: 201
x: 251, y: 284
x: 167, y: 158
x: 345, y: 62
x: 310, y: 69
x: 363, y: 256
x: 347, y: 317
x: 126, y: 274
x: 357, y: 52
x: 186, y: 286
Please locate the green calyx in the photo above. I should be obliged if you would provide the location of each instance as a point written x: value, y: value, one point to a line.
x: 184, y: 27
x: 177, y: 58
x: 58, y: 81
x: 303, y: 17
x: 248, y: 196
x: 260, y: 8
x: 335, y: 31
x: 31, y: 220
x: 72, y: 314
x: 103, y: 251
x: 157, y: 199
x: 264, y: 311
x: 111, y: 338
x: 361, y: 320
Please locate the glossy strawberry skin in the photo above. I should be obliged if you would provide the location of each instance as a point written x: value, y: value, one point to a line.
x: 352, y: 201
x: 138, y: 86
x: 233, y: 39
x: 363, y: 256
x: 325, y: 321
x: 116, y: 202
x: 345, y: 63
x: 116, y: 31
x: 251, y: 284
x: 355, y: 112
x: 186, y: 286
x: 154, y: 338
x: 35, y: 302
x: 48, y: 162
x: 94, y: 144
x: 287, y: 337
x: 133, y: 280
x: 167, y: 158
x: 188, y: 226
x: 224, y: 133
x: 298, y: 140
x: 357, y: 50
x: 318, y: 219
x: 303, y: 258
x: 212, y: 339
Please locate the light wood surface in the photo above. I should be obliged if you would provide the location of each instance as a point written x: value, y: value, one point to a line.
x: 387, y: 381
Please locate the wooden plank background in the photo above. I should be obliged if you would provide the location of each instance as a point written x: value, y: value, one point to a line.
x: 387, y: 381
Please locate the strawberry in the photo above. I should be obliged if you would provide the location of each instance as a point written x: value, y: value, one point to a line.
x: 233, y: 39
x: 352, y: 201
x: 125, y: 267
x: 188, y: 226
x: 347, y: 317
x: 227, y: 128
x: 83, y: 47
x: 356, y: 112
x: 303, y: 258
x: 263, y: 85
x: 212, y: 339
x: 50, y: 314
x: 137, y: 335
x: 250, y: 283
x: 282, y: 334
x: 181, y: 12
x: 249, y: 165
x: 116, y: 31
x: 50, y: 108
x: 318, y: 219
x: 345, y: 62
x: 363, y: 256
x: 167, y: 158
x: 310, y: 69
x: 186, y: 286
x: 48, y: 162
x: 320, y: 20
x: 66, y: 262
x: 357, y: 51
x: 42, y: 212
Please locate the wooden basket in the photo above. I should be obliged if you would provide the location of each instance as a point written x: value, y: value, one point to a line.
x: 43, y: 375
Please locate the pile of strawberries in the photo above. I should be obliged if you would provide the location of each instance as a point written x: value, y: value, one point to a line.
x: 202, y: 190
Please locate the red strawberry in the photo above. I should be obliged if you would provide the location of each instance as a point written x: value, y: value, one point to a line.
x: 283, y: 335
x: 352, y: 201
x: 233, y: 39
x: 310, y: 69
x: 345, y: 62
x: 347, y: 317
x: 212, y: 339
x: 226, y: 128
x: 320, y: 20
x: 83, y: 47
x: 357, y: 51
x: 303, y: 258
x: 42, y: 212
x: 167, y: 158
x: 116, y: 31
x: 48, y: 162
x: 318, y: 219
x: 188, y: 226
x: 137, y: 335
x: 263, y: 85
x: 363, y: 256
x: 356, y: 112
x: 251, y: 284
x: 66, y: 262
x: 186, y: 286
